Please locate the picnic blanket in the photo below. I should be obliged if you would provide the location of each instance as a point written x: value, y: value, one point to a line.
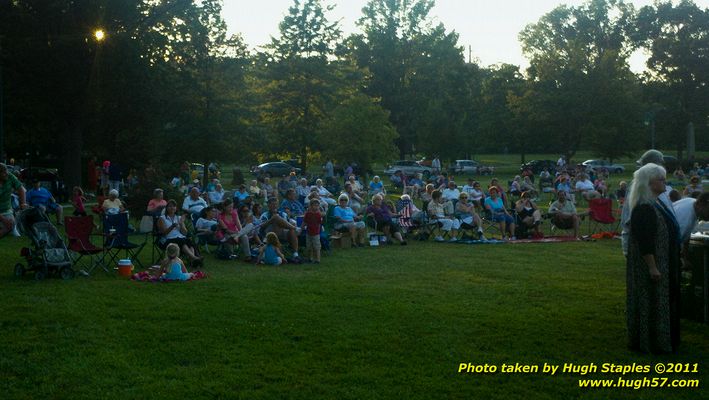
x: 144, y: 276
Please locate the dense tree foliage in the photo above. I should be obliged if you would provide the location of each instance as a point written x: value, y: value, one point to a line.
x: 167, y: 84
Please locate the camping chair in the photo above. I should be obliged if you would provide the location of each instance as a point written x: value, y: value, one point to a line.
x: 489, y: 225
x: 79, y: 231
x: 157, y: 252
x: 600, y: 212
x: 115, y: 231
x: 405, y: 221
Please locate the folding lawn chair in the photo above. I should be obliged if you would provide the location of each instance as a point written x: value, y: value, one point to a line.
x: 115, y: 231
x: 600, y: 212
x: 79, y: 231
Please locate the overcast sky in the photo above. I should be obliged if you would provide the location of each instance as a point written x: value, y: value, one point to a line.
x: 489, y: 27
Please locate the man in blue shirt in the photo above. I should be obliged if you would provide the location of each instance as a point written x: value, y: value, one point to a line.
x: 43, y: 199
x: 291, y: 206
x: 277, y: 222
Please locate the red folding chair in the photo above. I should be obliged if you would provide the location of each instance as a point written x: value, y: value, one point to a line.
x: 600, y: 212
x: 79, y: 231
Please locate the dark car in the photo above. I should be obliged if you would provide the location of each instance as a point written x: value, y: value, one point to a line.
x: 537, y: 166
x: 271, y: 169
x: 48, y: 178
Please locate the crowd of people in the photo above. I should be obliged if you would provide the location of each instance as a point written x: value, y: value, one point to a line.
x: 261, y: 218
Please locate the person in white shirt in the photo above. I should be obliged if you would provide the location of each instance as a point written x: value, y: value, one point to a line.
x: 193, y: 204
x: 585, y: 187
x: 217, y: 195
x: 451, y: 192
x: 324, y: 193
x: 688, y: 211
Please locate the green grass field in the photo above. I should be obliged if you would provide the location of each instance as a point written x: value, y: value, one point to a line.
x: 390, y: 322
x: 387, y: 322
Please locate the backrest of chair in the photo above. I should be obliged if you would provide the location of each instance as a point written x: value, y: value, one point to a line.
x: 601, y: 210
x: 79, y: 229
x: 119, y: 222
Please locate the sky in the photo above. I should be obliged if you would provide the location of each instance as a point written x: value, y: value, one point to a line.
x: 488, y: 28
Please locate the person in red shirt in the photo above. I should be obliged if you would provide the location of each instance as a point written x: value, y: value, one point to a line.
x: 312, y: 222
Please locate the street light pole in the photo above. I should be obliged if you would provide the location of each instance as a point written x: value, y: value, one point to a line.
x: 2, y: 111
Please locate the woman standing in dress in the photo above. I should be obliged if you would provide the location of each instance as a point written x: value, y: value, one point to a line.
x: 653, y: 271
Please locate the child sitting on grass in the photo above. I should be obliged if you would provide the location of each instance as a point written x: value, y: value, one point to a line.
x: 271, y: 253
x: 172, y: 267
x: 311, y: 223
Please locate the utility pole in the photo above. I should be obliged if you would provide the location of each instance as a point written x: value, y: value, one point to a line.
x: 2, y: 111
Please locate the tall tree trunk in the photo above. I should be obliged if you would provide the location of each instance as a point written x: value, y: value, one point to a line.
x: 73, y: 147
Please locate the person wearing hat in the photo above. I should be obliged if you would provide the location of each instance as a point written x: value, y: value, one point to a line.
x: 649, y: 157
x: 41, y: 198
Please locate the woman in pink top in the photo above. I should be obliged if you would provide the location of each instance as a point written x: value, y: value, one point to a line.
x: 231, y: 232
x: 157, y: 204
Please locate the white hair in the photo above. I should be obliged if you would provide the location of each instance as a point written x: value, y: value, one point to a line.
x: 343, y: 197
x: 640, y: 192
x: 113, y: 192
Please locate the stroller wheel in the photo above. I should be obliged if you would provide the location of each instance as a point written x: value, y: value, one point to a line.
x: 66, y: 273
x: 19, y: 270
x: 40, y: 274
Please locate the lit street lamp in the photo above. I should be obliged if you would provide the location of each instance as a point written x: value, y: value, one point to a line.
x: 99, y: 35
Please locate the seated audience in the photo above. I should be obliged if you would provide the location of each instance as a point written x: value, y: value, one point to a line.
x: 291, y: 206
x: 232, y: 233
x: 465, y: 211
x: 193, y: 204
x: 355, y: 200
x: 41, y: 198
x: 451, y: 193
x: 113, y: 205
x: 216, y: 196
x: 324, y: 194
x: 376, y: 186
x: 277, y: 222
x: 346, y: 218
x: 528, y: 215
x: 695, y: 186
x: 437, y: 212
x: 498, y: 213
x: 563, y: 214
x: 157, y: 204
x: 381, y: 218
x: 172, y: 229
x: 584, y: 186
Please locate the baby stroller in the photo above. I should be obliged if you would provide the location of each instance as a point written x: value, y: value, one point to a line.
x: 49, y: 254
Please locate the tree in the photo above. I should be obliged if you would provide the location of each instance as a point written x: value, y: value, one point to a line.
x: 362, y: 118
x: 300, y: 79
x: 578, y: 62
x: 419, y: 73
x: 678, y: 39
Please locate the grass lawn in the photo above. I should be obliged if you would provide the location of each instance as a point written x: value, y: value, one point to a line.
x: 387, y: 322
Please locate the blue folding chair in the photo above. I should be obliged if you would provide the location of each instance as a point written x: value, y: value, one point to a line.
x: 115, y: 231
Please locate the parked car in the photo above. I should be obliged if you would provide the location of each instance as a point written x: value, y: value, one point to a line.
x: 537, y: 166
x: 273, y: 169
x: 470, y: 167
x: 409, y: 168
x: 600, y: 164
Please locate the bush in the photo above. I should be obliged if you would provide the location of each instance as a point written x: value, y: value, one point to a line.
x: 141, y: 193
